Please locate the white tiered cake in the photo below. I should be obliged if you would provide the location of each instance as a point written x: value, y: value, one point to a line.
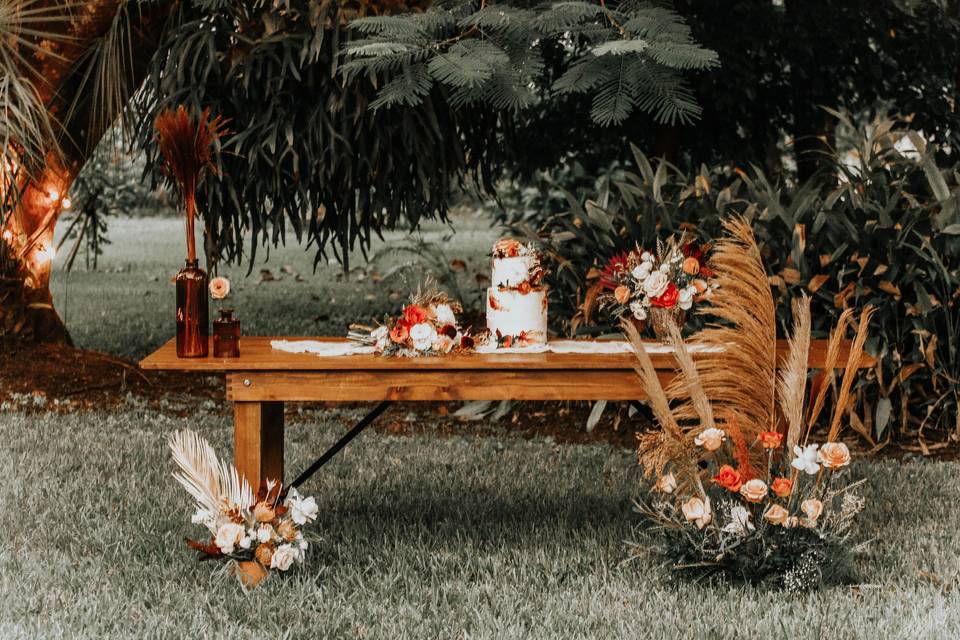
x: 517, y: 301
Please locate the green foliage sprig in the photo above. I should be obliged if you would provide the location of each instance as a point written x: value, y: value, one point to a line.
x: 628, y: 56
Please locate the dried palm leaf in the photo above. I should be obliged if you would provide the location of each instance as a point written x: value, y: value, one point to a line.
x: 793, y: 377
x: 850, y: 373
x: 738, y: 369
x: 215, y: 485
x: 822, y: 382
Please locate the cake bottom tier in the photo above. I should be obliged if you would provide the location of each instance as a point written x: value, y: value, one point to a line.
x: 513, y: 313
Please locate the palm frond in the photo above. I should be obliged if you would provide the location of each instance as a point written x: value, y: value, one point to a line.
x: 738, y: 369
x: 792, y: 383
x: 215, y: 485
x: 850, y: 372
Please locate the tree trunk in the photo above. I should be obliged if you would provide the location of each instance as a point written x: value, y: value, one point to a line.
x: 26, y: 255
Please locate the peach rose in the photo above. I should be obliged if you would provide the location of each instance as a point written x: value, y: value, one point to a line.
x: 776, y: 515
x: 782, y: 487
x: 710, y: 439
x: 700, y: 285
x: 754, y: 490
x: 812, y: 508
x: 399, y: 333
x: 771, y: 439
x: 697, y: 511
x: 219, y: 288
x: 622, y: 294
x: 834, y: 455
x: 691, y: 266
x: 728, y: 478
x: 667, y: 483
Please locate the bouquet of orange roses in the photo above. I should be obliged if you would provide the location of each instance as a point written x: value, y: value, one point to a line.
x: 426, y: 327
x: 740, y: 484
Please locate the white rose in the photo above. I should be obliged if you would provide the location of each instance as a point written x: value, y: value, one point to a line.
x: 665, y: 267
x: 686, y: 298
x: 423, y: 335
x: 655, y: 284
x: 646, y: 256
x: 283, y: 557
x: 639, y: 311
x: 245, y: 542
x: 301, y: 509
x: 641, y: 272
x: 445, y: 314
x: 228, y: 537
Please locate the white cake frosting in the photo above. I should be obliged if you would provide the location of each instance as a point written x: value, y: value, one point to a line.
x: 517, y: 301
x: 508, y: 273
x: 513, y: 314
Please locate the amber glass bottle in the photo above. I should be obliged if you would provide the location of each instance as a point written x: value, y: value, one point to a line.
x: 226, y: 335
x: 193, y: 312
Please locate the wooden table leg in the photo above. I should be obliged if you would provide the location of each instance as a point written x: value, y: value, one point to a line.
x: 258, y: 441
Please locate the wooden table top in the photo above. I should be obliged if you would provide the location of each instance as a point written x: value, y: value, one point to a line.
x: 256, y: 354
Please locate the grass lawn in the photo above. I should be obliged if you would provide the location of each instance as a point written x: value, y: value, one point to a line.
x: 422, y: 537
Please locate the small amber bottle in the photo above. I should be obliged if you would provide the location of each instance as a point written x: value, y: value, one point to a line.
x: 226, y: 335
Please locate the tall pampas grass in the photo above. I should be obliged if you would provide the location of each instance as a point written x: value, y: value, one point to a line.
x: 738, y: 369
x: 792, y: 383
x: 187, y: 145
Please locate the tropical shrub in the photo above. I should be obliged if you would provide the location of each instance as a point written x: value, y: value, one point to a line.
x: 884, y: 230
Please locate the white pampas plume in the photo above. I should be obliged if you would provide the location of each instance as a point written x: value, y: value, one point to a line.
x: 215, y: 485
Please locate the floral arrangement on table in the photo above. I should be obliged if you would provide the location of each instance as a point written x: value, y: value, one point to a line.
x: 644, y: 285
x: 261, y: 532
x: 741, y: 486
x: 427, y: 326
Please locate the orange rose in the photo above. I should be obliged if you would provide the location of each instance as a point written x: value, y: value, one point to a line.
x: 287, y: 531
x: 771, y: 439
x: 399, y: 333
x: 834, y: 455
x: 782, y: 487
x: 691, y: 266
x: 414, y: 314
x: 728, y: 478
x: 622, y: 294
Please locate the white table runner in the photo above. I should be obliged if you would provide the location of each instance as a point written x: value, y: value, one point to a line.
x: 326, y: 349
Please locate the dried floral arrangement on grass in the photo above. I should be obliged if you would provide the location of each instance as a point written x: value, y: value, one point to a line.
x: 740, y: 485
x: 427, y: 326
x: 664, y: 284
x: 261, y: 532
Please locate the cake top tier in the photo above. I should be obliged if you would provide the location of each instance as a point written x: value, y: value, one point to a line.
x: 511, y: 248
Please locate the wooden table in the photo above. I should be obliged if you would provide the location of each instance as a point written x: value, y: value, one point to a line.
x: 262, y: 379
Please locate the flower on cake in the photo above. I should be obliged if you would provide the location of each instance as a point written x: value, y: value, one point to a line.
x: 426, y: 326
x: 673, y: 278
